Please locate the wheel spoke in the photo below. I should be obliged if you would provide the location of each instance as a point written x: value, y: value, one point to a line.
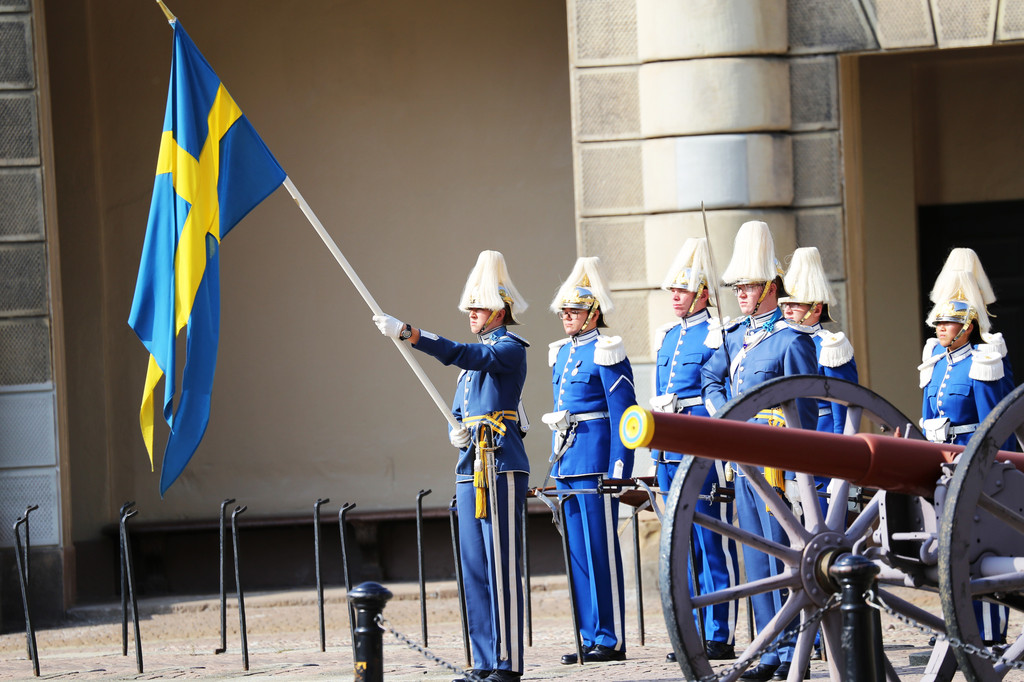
x: 1001, y: 582
x: 832, y: 639
x: 786, y: 580
x: 779, y: 509
x: 1010, y: 517
x: 785, y: 554
x: 864, y: 523
x: 808, y: 488
x: 914, y: 612
x: 838, y: 494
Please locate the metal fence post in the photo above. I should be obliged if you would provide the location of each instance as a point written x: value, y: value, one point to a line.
x: 369, y: 600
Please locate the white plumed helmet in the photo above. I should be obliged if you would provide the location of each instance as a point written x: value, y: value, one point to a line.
x: 489, y: 286
x: 753, y: 255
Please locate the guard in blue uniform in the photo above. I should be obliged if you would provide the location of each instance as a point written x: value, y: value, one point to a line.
x: 592, y: 384
x: 964, y: 374
x: 759, y: 347
x: 807, y: 304
x: 685, y: 346
x: 492, y: 474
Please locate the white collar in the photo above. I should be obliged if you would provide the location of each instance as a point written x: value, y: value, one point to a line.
x: 758, y: 321
x: 959, y: 354
x: 585, y: 337
x: 695, y: 319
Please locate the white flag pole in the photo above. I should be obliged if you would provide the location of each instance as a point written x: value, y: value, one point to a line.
x: 365, y: 293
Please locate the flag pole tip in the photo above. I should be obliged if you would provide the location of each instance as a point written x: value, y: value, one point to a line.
x: 167, y: 13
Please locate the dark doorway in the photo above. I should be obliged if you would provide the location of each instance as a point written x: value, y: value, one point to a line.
x: 995, y: 230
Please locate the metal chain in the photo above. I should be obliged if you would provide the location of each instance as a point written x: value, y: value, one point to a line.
x: 833, y: 601
x: 427, y: 653
x: 875, y: 601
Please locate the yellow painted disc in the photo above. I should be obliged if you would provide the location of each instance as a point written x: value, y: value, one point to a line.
x: 636, y: 428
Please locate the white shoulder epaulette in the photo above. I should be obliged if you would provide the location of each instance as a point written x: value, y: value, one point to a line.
x: 996, y: 343
x: 986, y: 365
x: 517, y: 338
x: 928, y: 358
x: 660, y: 332
x: 714, y: 337
x: 553, y: 349
x: 836, y: 349
x: 609, y: 350
x: 735, y: 323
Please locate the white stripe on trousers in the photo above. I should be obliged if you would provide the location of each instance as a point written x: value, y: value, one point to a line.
x: 613, y: 572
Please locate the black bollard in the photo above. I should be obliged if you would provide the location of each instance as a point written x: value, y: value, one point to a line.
x: 129, y: 573
x: 862, y: 625
x: 369, y: 600
x: 238, y: 586
x: 124, y: 579
x: 419, y: 561
x: 319, y: 581
x: 223, y: 595
x: 30, y: 634
x: 345, y: 509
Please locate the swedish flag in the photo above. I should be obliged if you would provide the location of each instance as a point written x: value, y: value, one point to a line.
x: 212, y: 170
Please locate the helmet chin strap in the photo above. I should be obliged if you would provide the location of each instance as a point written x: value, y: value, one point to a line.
x: 807, y: 315
x: 696, y: 297
x: 590, y: 316
x: 960, y: 333
x: 764, y: 292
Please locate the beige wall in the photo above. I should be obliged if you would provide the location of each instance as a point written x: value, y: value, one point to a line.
x: 420, y: 133
x: 927, y: 128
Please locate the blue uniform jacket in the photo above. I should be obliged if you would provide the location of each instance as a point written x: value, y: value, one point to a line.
x: 582, y: 385
x: 784, y: 351
x: 680, y: 358
x: 492, y: 381
x: 952, y: 393
x: 832, y: 416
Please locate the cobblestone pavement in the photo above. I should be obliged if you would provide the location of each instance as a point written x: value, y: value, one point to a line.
x: 179, y: 637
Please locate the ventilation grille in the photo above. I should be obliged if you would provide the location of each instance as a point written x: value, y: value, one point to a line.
x: 608, y: 102
x: 837, y: 311
x: 23, y: 283
x: 813, y: 92
x: 24, y: 352
x: 26, y: 429
x: 823, y: 228
x: 611, y: 178
x: 816, y: 171
x: 604, y: 31
x: 16, y: 53
x: 631, y: 321
x: 1011, y: 20
x: 901, y: 23
x: 620, y: 244
x: 19, y: 134
x: 18, y: 490
x: 21, y: 204
x: 817, y: 26
x: 960, y: 23
x: 14, y: 5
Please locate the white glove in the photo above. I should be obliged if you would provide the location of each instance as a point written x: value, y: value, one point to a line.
x: 460, y: 437
x: 388, y: 326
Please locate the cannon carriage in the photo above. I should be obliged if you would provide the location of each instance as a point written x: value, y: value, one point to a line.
x: 934, y: 517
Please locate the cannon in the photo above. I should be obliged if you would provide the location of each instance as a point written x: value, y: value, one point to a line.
x: 939, y: 517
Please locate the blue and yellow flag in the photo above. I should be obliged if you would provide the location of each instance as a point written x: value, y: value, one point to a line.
x: 212, y: 170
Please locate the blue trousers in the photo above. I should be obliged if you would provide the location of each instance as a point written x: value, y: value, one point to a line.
x: 591, y: 521
x: 491, y: 571
x: 753, y: 517
x: 716, y: 560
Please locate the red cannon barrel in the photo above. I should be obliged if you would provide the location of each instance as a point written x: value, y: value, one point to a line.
x: 895, y: 464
